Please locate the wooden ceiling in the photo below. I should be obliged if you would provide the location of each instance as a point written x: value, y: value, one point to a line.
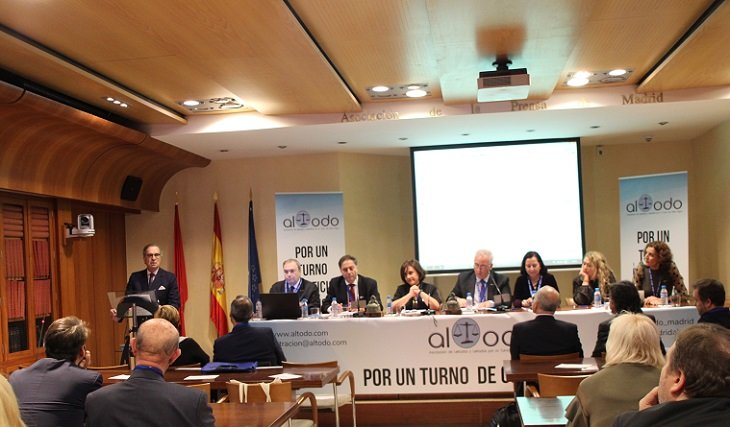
x: 320, y: 56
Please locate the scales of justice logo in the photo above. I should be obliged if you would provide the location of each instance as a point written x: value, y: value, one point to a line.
x: 465, y: 333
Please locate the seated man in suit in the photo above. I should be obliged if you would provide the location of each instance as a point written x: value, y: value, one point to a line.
x: 246, y: 343
x: 481, y: 282
x: 350, y: 287
x: 709, y: 297
x: 694, y: 386
x: 52, y: 391
x: 294, y: 283
x: 145, y: 399
x: 545, y: 335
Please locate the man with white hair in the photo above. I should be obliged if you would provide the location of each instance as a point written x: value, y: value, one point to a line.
x: 145, y: 399
x: 481, y: 282
x: 694, y: 386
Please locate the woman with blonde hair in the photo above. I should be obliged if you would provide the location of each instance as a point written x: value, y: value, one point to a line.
x: 594, y: 273
x: 190, y: 351
x: 633, y: 357
x: 9, y: 411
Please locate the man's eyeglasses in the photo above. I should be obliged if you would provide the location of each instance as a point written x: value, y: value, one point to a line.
x: 482, y: 266
x: 153, y: 255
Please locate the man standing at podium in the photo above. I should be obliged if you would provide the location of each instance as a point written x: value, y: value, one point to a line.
x: 154, y: 278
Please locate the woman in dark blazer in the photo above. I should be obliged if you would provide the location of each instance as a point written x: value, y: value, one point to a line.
x: 414, y: 293
x: 533, y: 276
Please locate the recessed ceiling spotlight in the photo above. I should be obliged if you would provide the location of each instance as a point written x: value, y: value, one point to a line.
x: 225, y: 150
x: 577, y: 81
x: 123, y: 105
x: 342, y: 142
x: 110, y: 99
x: 116, y: 102
x: 191, y: 103
x: 617, y: 72
x: 663, y: 123
x: 416, y: 93
x: 530, y: 130
x: 582, y: 74
x: 402, y: 138
x: 414, y: 87
x: 465, y: 134
x: 281, y: 147
x: 380, y: 88
x: 595, y: 127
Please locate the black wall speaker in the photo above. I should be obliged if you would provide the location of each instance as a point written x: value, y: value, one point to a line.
x: 131, y: 187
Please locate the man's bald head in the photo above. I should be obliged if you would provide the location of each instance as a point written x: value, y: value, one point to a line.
x: 156, y: 343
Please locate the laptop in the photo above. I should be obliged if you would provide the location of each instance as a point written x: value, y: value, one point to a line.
x: 280, y: 306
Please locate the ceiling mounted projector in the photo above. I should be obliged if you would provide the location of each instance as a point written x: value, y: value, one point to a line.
x: 503, y: 84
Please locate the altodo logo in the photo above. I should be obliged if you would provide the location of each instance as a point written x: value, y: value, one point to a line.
x: 645, y: 203
x: 303, y: 219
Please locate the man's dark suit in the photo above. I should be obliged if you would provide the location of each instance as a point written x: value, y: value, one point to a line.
x: 248, y: 344
x: 53, y: 392
x: 466, y: 282
x: 366, y: 287
x: 544, y: 335
x: 307, y: 290
x: 146, y: 399
x: 164, y: 285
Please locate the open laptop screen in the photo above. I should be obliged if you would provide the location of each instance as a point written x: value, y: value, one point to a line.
x: 280, y: 306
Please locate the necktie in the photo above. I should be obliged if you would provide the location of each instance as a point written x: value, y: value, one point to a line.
x: 351, y: 292
x: 482, y: 291
x: 152, y: 279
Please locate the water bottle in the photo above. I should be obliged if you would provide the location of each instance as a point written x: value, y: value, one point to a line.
x: 597, y: 298
x: 304, y: 308
x: 389, y: 305
x: 259, y: 310
x: 334, y: 308
x: 469, y: 300
x: 664, y: 295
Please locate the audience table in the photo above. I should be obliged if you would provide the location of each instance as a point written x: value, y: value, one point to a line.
x: 543, y: 411
x: 270, y: 414
x: 518, y: 370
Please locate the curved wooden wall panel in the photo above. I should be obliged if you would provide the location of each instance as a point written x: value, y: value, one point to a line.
x: 54, y: 150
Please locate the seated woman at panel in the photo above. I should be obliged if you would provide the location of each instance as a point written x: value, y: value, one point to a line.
x: 190, y: 351
x: 533, y: 276
x: 414, y: 293
x: 624, y: 299
x: 658, y: 269
x: 633, y: 365
x: 594, y: 273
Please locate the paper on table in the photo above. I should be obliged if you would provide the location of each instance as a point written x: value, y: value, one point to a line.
x: 120, y: 377
x: 581, y: 366
x: 285, y: 376
x: 201, y: 377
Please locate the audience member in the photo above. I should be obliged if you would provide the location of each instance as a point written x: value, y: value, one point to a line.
x: 657, y: 270
x: 414, y: 293
x: 594, y: 273
x: 146, y: 399
x: 52, y: 391
x: 246, y: 343
x: 190, y: 351
x: 293, y: 283
x: 694, y: 386
x: 9, y: 412
x: 633, y: 357
x: 351, y: 287
x: 533, y: 276
x: 709, y: 295
x: 481, y: 282
x: 624, y: 298
x: 545, y: 335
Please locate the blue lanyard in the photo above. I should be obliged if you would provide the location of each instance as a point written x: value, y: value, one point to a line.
x: 539, y: 285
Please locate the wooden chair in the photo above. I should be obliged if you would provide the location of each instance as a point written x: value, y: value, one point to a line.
x: 336, y: 399
x: 555, y: 385
x: 272, y: 392
x: 108, y: 368
x: 204, y: 387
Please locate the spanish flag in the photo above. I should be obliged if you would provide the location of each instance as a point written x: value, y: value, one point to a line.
x: 217, y: 284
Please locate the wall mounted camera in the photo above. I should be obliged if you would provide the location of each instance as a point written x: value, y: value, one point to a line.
x: 84, y: 227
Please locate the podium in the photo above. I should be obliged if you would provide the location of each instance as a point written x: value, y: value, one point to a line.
x: 136, y: 308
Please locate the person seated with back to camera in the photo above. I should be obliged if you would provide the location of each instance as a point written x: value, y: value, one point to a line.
x: 481, y: 282
x: 594, y: 273
x: 533, y: 276
x: 190, y: 351
x: 414, y: 293
x: 246, y: 343
x: 633, y: 357
x: 657, y: 270
x: 624, y: 298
